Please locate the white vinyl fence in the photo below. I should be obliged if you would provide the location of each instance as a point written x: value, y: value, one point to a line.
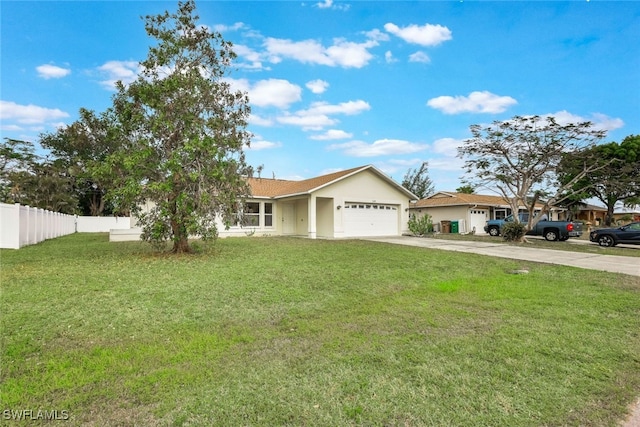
x: 23, y: 225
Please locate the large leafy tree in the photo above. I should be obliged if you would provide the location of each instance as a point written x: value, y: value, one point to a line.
x: 616, y: 179
x: 519, y: 158
x: 33, y: 180
x: 16, y: 156
x: 418, y: 181
x: 182, y: 131
x: 82, y: 147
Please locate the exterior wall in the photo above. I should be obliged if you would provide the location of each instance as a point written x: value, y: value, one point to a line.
x: 366, y: 187
x: 324, y: 217
x: 102, y: 224
x: 444, y: 213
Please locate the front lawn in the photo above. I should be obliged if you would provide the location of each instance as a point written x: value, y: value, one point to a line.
x: 276, y: 331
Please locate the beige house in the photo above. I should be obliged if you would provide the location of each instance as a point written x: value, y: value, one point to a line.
x: 471, y: 211
x: 357, y: 202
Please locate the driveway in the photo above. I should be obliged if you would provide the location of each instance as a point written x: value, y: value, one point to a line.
x: 611, y: 263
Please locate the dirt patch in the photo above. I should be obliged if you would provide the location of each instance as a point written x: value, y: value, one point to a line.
x: 634, y: 418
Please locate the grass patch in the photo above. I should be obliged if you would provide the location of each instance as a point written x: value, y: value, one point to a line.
x: 277, y: 331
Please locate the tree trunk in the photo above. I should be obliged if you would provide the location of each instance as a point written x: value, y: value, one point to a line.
x: 181, y: 245
x: 180, y: 239
x: 609, y: 217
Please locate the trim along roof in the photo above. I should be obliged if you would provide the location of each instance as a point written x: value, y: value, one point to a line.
x: 279, y: 188
x: 443, y: 198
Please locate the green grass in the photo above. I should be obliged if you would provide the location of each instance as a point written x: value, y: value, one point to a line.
x: 276, y: 331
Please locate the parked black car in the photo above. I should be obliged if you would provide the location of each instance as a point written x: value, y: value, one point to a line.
x: 629, y: 234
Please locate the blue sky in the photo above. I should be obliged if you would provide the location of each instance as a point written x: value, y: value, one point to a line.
x: 335, y: 85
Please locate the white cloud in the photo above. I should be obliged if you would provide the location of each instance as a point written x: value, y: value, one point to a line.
x: 125, y: 71
x: 11, y: 128
x: 452, y: 164
x: 221, y: 28
x: 316, y: 117
x: 261, y: 144
x: 272, y: 92
x: 257, y: 120
x: 382, y: 147
x: 425, y: 35
x: 388, y: 57
x: 419, y: 57
x: 341, y: 54
x: 48, y: 71
x: 377, y: 35
x: 253, y: 58
x: 476, y: 102
x: 307, y: 121
x: 329, y: 4
x: 332, y: 134
x: 447, y: 146
x: 29, y: 114
x: 349, y: 108
x: 599, y: 120
x: 317, y: 86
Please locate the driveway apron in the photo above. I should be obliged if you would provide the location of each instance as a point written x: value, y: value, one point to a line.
x: 610, y: 263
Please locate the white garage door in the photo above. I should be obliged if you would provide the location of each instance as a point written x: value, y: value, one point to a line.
x: 477, y: 218
x: 370, y: 219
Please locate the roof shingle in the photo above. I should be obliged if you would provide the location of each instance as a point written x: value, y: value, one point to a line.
x: 265, y: 187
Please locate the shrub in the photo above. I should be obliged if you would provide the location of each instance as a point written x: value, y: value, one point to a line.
x: 421, y: 226
x: 513, y: 231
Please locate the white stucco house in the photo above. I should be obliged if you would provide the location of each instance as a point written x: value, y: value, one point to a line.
x: 357, y: 202
x: 471, y: 211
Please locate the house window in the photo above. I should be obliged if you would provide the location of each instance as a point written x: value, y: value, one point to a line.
x: 268, y: 214
x: 500, y: 213
x: 250, y: 215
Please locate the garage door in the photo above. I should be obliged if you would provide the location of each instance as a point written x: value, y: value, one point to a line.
x: 477, y: 218
x: 367, y: 219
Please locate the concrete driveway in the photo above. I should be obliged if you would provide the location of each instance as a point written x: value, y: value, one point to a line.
x: 611, y: 263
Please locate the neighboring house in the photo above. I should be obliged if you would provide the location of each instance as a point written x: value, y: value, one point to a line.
x: 357, y: 202
x: 470, y: 210
x: 624, y: 213
x: 591, y: 214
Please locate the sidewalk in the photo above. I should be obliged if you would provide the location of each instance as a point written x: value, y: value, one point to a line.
x: 611, y: 263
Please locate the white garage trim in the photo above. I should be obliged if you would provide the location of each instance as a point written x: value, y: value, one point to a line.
x: 477, y: 219
x: 370, y: 219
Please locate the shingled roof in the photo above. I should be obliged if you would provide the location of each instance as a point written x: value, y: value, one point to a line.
x: 460, y: 199
x: 275, y: 188
x: 443, y: 198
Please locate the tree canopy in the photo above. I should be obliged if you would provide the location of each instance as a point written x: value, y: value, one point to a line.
x: 34, y: 180
x: 519, y: 158
x: 418, y: 181
x: 181, y: 133
x: 617, y: 177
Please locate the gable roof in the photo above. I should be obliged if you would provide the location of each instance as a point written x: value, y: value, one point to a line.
x: 443, y: 198
x: 278, y: 188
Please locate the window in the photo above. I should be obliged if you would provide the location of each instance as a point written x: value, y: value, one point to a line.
x: 268, y: 214
x: 251, y: 215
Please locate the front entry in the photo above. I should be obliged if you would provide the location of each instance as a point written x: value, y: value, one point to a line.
x: 288, y: 219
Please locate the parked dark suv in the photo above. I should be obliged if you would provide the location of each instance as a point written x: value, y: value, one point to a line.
x: 629, y: 234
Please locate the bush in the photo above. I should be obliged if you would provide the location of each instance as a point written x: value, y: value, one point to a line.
x: 513, y: 231
x: 421, y: 226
